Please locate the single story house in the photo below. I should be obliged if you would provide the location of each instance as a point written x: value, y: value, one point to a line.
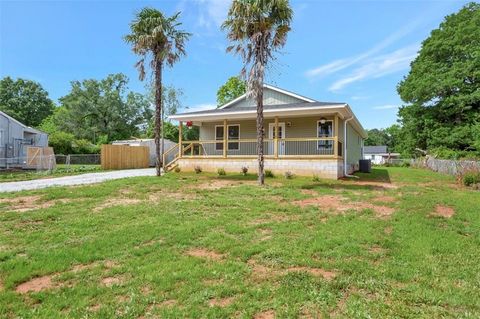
x: 150, y: 142
x: 379, y: 154
x: 302, y: 135
x: 15, y: 138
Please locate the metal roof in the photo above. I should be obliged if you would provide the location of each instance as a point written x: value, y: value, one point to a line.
x: 375, y: 149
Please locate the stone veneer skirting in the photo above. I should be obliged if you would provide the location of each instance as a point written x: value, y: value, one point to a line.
x: 325, y: 168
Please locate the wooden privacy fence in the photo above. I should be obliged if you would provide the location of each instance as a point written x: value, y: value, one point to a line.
x: 124, y: 156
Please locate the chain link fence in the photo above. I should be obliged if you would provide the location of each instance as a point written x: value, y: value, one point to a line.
x: 78, y: 159
x: 450, y: 167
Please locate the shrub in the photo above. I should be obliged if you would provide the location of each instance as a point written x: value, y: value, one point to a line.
x: 268, y: 173
x: 288, y: 175
x: 197, y: 169
x: 315, y: 178
x: 221, y: 172
x: 244, y: 170
x: 471, y: 178
x: 178, y: 169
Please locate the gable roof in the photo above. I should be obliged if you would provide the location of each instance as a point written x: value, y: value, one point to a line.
x: 273, y: 88
x: 380, y: 149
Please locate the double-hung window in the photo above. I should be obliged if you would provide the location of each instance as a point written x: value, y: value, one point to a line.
x: 233, y: 133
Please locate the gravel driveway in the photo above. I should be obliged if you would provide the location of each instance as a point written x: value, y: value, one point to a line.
x: 89, y: 178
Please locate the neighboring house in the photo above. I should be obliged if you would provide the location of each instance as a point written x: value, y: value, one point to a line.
x: 150, y: 142
x: 302, y: 135
x: 15, y: 137
x: 379, y: 154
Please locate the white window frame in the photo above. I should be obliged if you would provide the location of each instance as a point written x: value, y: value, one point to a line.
x: 333, y: 134
x: 233, y: 141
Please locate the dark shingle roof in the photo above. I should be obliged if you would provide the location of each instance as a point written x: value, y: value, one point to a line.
x: 375, y: 149
x: 265, y: 107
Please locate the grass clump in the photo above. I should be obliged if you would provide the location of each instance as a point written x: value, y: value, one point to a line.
x: 269, y: 173
x: 178, y: 169
x: 221, y: 172
x: 288, y: 175
x: 197, y: 169
x: 244, y: 170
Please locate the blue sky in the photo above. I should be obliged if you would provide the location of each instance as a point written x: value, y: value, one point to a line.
x: 340, y: 51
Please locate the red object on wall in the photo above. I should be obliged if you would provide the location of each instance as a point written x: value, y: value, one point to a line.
x: 189, y: 124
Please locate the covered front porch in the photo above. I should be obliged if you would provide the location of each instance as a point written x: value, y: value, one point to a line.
x: 312, y: 137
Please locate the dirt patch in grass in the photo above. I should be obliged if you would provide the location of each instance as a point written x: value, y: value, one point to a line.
x: 36, y: 285
x: 374, y: 185
x: 25, y: 203
x: 376, y: 250
x: 121, y: 201
x: 221, y: 183
x: 341, y: 204
x: 95, y: 307
x: 82, y: 267
x: 167, y: 303
x: 269, y: 314
x: 388, y: 230
x: 385, y: 199
x: 204, y: 253
x: 443, y: 211
x: 265, y: 234
x: 221, y: 302
x: 112, y: 281
x: 309, y: 192
x: 179, y: 195
x: 316, y: 272
x: 260, y: 271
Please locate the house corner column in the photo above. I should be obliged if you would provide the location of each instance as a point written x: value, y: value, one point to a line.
x: 225, y: 132
x: 275, y: 141
x: 180, y: 125
x: 335, y: 134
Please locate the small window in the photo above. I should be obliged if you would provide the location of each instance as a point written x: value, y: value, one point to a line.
x: 233, y: 134
x: 219, y: 137
x: 325, y: 130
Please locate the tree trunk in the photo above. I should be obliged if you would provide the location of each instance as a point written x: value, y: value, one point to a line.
x: 260, y: 134
x: 158, y: 116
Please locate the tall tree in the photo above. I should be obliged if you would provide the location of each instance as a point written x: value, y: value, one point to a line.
x: 155, y: 36
x: 101, y: 108
x: 257, y: 29
x: 25, y: 100
x: 442, y: 89
x: 233, y: 88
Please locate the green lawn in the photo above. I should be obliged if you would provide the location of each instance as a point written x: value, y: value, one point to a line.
x: 61, y: 170
x: 200, y: 246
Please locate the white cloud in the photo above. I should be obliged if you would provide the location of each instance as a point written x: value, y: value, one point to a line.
x: 341, y: 64
x: 379, y: 66
x: 359, y: 97
x: 385, y: 107
x: 212, y: 12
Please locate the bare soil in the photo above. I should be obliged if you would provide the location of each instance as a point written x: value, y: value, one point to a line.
x: 36, y: 285
x: 269, y: 314
x: 341, y: 204
x: 221, y: 183
x: 317, y: 272
x: 204, y: 253
x: 120, y: 201
x: 444, y: 211
x: 221, y: 302
x: 111, y: 281
x: 385, y: 199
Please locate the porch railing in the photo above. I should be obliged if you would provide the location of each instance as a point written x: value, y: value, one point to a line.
x: 273, y: 148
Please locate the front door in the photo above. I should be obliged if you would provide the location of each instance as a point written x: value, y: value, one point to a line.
x: 281, y: 136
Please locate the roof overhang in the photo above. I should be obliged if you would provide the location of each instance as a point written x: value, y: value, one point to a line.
x: 343, y: 110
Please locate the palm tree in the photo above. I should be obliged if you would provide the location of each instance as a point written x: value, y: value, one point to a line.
x: 257, y: 29
x: 157, y: 37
